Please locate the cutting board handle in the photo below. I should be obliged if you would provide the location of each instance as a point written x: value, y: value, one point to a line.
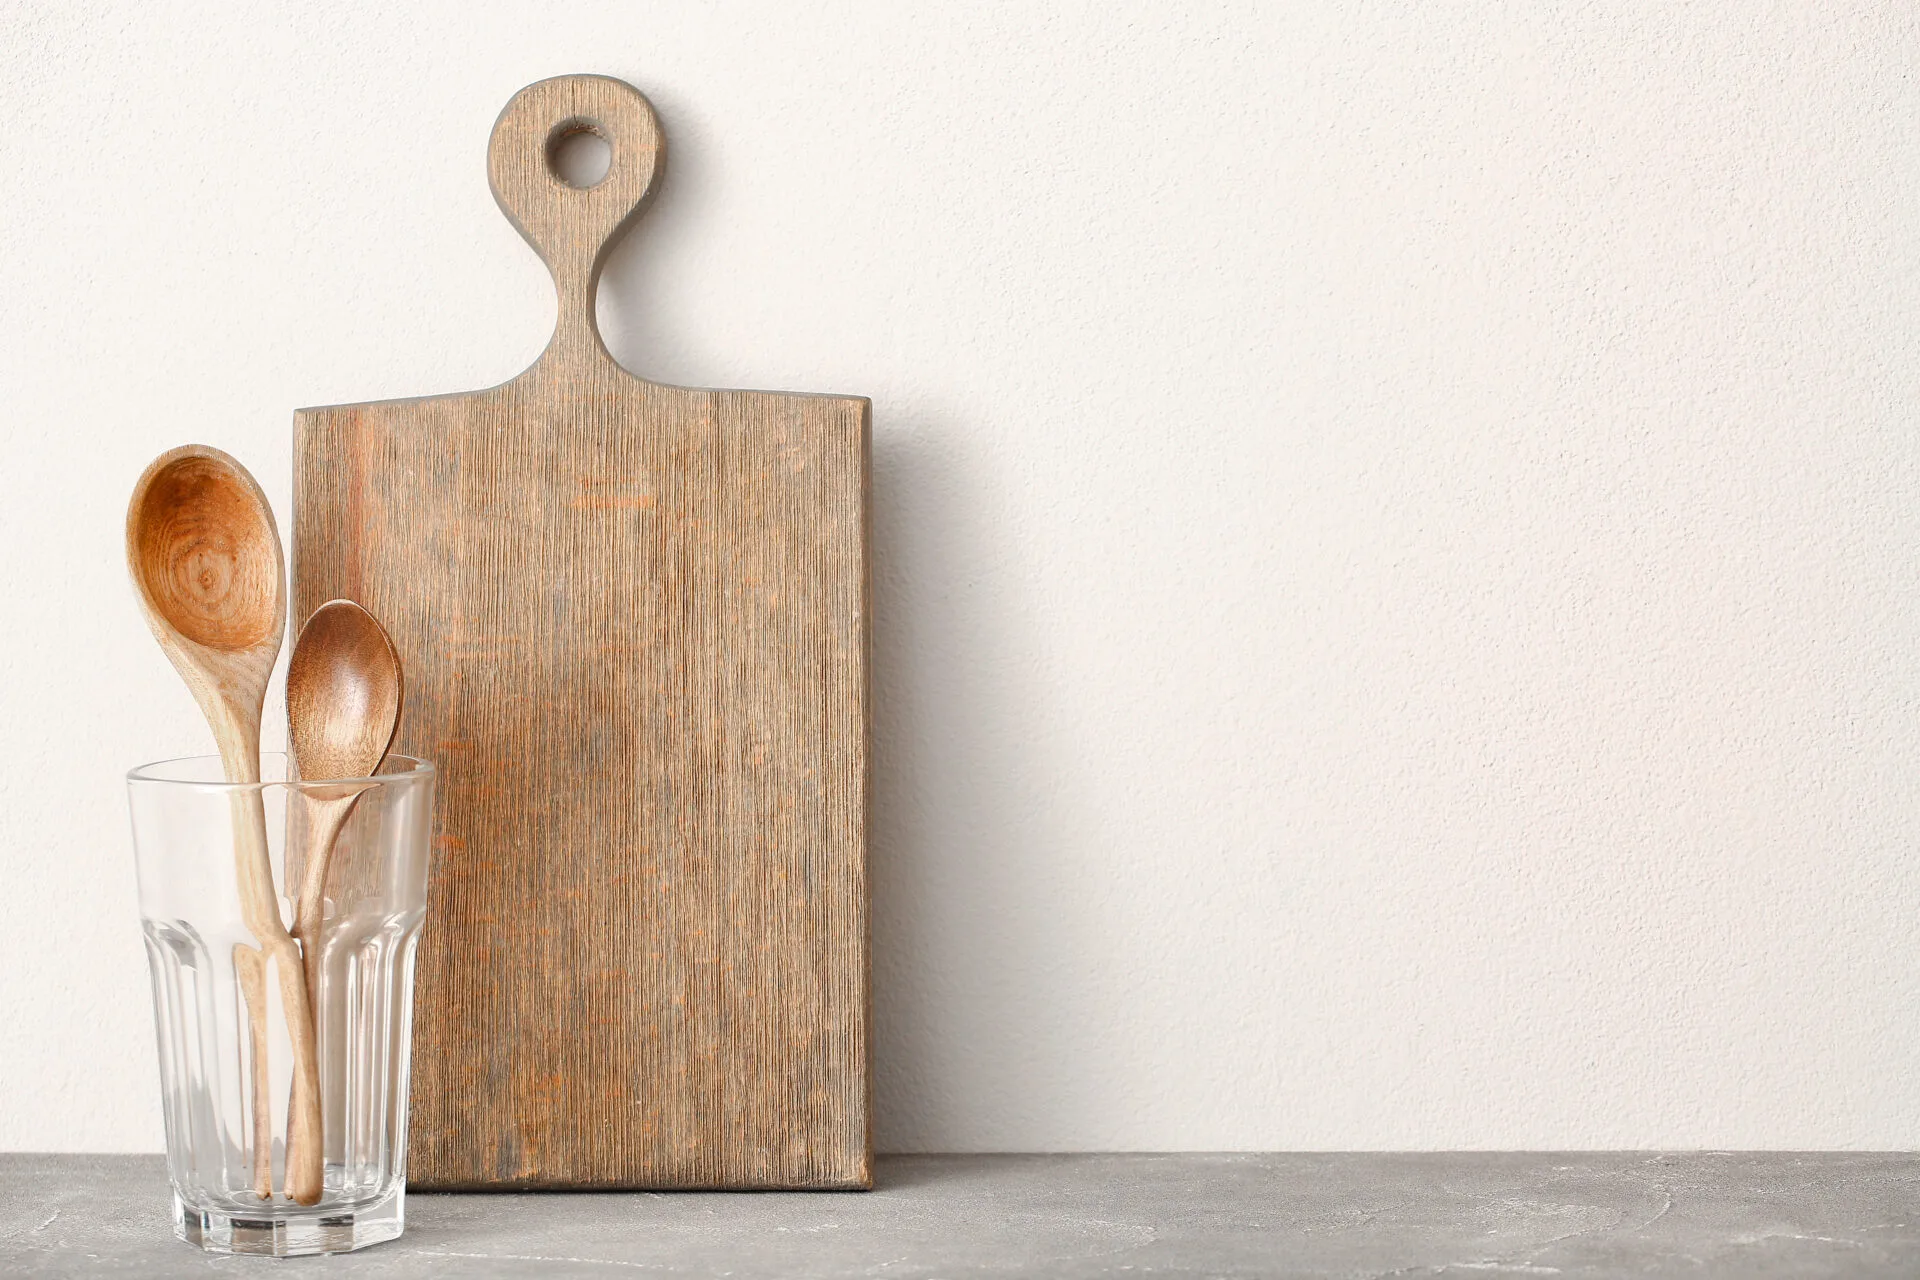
x: 572, y: 228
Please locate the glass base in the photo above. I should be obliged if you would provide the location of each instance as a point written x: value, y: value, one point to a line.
x: 288, y: 1231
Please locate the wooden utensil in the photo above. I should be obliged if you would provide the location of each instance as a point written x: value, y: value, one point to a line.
x: 634, y: 621
x: 206, y: 565
x: 344, y: 693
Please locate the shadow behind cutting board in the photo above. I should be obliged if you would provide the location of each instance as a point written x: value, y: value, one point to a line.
x: 634, y: 625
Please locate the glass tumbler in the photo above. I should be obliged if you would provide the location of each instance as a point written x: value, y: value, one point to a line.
x: 222, y: 1007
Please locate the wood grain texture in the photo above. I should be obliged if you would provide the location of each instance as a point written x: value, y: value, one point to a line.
x: 634, y: 623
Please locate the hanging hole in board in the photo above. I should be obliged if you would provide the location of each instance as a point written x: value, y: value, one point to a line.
x: 579, y: 154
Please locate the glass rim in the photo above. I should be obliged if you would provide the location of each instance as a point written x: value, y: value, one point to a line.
x: 150, y: 774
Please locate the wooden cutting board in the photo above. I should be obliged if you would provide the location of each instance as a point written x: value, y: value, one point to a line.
x: 634, y: 623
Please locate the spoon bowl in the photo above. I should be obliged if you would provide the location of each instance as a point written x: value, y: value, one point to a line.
x: 205, y: 554
x: 206, y: 565
x: 344, y: 693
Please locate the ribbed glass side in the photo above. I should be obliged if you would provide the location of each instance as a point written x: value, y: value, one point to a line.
x: 200, y: 1143
x: 364, y: 1015
x: 366, y: 1012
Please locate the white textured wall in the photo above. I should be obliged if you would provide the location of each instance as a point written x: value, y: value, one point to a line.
x: 1396, y: 525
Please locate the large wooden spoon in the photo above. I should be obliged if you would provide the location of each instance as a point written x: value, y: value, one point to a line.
x: 206, y: 564
x: 344, y: 694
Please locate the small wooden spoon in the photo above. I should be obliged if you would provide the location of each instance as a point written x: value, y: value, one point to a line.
x: 344, y: 694
x: 206, y: 564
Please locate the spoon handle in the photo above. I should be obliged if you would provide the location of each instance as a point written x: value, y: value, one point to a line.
x: 306, y: 1152
x: 253, y: 867
x: 260, y: 909
x: 326, y: 818
x: 250, y: 969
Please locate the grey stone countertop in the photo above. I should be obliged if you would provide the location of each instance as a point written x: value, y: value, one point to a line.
x: 1479, y: 1215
